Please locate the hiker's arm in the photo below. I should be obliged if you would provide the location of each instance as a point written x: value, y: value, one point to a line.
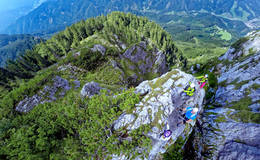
x: 186, y: 91
x: 203, y: 80
x: 190, y: 120
x: 184, y: 109
x: 167, y: 126
x: 199, y: 77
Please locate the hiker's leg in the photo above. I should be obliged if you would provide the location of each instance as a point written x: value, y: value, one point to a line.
x: 179, y: 123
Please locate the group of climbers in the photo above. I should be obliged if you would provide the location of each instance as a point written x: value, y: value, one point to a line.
x: 189, y: 116
x: 191, y: 88
x: 190, y: 113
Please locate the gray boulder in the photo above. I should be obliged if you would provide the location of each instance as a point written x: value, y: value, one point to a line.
x: 99, y: 48
x: 90, y: 89
x: 48, y: 94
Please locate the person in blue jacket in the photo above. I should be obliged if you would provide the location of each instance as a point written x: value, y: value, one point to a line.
x: 190, y: 115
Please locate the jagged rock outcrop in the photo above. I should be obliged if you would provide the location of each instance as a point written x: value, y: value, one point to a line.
x: 241, y: 78
x: 49, y: 93
x: 99, y: 48
x: 226, y: 138
x: 245, y: 46
x: 138, y: 64
x: 161, y: 104
x: 232, y: 130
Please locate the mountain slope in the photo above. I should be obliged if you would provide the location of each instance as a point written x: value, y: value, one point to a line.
x: 12, y: 10
x: 46, y: 17
x: 13, y: 46
x: 231, y: 125
x: 208, y: 26
x: 57, y: 114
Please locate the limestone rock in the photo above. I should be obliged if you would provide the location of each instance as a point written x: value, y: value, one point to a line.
x: 28, y: 103
x: 99, y: 48
x: 251, y: 45
x: 90, y: 89
x: 225, y: 135
x: 228, y: 139
x: 139, y: 63
x: 161, y: 104
x: 48, y: 94
x: 239, y: 79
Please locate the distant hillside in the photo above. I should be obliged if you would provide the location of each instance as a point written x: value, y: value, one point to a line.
x: 12, y: 46
x: 14, y: 9
x: 56, y: 15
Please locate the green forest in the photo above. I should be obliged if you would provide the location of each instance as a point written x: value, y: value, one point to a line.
x: 75, y: 127
x: 13, y: 46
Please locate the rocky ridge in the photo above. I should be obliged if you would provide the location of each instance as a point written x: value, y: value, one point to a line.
x: 161, y: 104
x: 49, y: 93
x: 135, y: 65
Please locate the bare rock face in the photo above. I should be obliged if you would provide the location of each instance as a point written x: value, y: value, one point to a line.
x: 227, y: 138
x: 240, y: 80
x: 139, y: 64
x: 232, y: 130
x: 90, y: 89
x: 48, y: 94
x: 252, y: 45
x: 28, y: 103
x: 161, y: 104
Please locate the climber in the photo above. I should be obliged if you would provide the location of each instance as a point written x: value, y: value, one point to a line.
x: 203, y: 80
x: 166, y: 135
x: 190, y: 90
x: 190, y: 115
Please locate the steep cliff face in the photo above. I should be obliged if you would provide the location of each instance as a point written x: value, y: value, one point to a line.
x: 160, y: 105
x: 231, y: 127
x: 240, y: 79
